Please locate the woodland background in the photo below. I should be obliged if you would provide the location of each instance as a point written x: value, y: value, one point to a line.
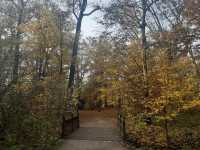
x: 146, y: 63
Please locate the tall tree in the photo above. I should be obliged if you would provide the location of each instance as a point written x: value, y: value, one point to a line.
x: 123, y: 12
x: 79, y: 10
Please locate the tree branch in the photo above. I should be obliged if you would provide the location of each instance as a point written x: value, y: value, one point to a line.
x: 90, y: 13
x: 15, y: 4
x: 74, y: 4
x: 152, y: 2
x: 155, y: 16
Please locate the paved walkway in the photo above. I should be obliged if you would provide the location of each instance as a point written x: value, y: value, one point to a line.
x: 98, y: 131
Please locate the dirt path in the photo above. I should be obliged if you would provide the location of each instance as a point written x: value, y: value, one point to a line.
x: 97, y: 131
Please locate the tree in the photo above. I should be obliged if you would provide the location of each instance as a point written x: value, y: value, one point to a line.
x: 79, y: 10
x: 35, y: 100
x: 13, y: 15
x: 123, y: 12
x: 42, y: 41
x: 192, y: 18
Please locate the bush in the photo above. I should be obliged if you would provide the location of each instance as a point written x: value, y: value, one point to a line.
x: 31, y: 115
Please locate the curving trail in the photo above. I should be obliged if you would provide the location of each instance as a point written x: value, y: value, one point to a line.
x: 98, y: 131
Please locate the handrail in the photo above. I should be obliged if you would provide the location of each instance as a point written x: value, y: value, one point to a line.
x: 122, y: 125
x: 70, y: 124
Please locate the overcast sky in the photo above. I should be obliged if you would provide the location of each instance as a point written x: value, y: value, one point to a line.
x: 90, y: 27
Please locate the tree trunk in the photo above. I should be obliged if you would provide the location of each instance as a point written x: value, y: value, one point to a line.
x: 17, y: 46
x: 194, y: 62
x: 16, y: 56
x: 40, y: 65
x: 144, y: 46
x: 61, y: 62
x: 46, y: 64
x: 61, y: 45
x: 166, y: 129
x: 73, y: 63
x: 82, y: 5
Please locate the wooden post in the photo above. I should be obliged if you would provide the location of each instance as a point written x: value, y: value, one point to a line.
x: 72, y: 120
x: 63, y: 127
x: 124, y: 128
x: 78, y: 118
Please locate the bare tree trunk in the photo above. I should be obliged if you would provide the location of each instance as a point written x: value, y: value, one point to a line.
x: 46, y: 64
x: 17, y: 55
x: 73, y: 62
x: 61, y: 43
x: 145, y: 46
x: 17, y: 47
x: 40, y: 65
x: 166, y: 129
x: 61, y: 62
x: 197, y: 68
x: 82, y: 7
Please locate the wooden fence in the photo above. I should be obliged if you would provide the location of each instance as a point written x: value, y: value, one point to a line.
x: 122, y: 126
x: 70, y: 123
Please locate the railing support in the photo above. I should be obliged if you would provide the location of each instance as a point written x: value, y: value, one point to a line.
x: 122, y: 126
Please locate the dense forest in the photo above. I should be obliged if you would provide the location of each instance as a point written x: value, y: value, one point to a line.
x: 146, y: 64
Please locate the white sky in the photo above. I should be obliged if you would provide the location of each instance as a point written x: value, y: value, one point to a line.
x: 90, y: 27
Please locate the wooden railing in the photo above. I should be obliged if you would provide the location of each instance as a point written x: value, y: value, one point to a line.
x: 70, y: 123
x: 122, y: 125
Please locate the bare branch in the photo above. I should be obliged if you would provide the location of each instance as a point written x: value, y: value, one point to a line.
x: 83, y: 6
x: 74, y: 4
x: 4, y: 12
x: 26, y: 2
x: 152, y: 2
x: 94, y: 10
x: 157, y: 21
x: 15, y: 4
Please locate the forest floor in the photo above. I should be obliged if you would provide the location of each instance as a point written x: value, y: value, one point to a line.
x: 98, y: 131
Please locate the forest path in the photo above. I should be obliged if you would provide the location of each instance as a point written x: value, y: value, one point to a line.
x: 98, y: 131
